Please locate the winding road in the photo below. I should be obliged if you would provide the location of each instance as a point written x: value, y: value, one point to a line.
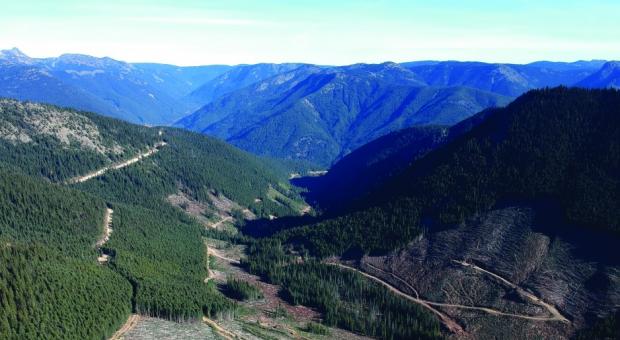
x: 556, y: 315
x: 452, y: 325
x: 100, y: 172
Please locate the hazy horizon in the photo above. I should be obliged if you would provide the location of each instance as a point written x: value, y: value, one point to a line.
x: 296, y: 62
x: 191, y: 32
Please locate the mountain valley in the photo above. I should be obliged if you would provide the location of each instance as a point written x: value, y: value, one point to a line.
x: 422, y: 200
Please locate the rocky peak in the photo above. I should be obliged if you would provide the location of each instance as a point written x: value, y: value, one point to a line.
x: 14, y: 55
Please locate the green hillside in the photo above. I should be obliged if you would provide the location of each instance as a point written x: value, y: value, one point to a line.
x: 558, y: 144
x: 60, y: 144
x: 321, y: 114
x: 154, y: 262
x: 50, y: 284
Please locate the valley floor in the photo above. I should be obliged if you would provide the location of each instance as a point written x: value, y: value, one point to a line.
x: 268, y: 318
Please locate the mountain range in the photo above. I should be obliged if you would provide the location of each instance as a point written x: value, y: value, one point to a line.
x: 320, y: 114
x: 148, y: 94
x: 291, y: 111
x: 443, y: 214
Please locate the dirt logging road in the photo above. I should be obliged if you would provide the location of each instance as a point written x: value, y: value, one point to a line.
x: 555, y: 314
x: 452, y: 325
x: 216, y: 253
x: 218, y: 223
x: 100, y: 172
x: 107, y: 231
x: 132, y: 321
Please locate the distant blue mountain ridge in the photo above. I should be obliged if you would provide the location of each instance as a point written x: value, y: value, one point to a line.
x: 293, y: 111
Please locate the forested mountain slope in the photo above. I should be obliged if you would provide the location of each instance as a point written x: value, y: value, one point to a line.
x: 320, y: 114
x: 506, y: 79
x: 370, y: 166
x: 236, y: 78
x: 523, y: 203
x: 559, y: 144
x: 60, y: 144
x: 52, y: 231
x: 141, y: 93
x: 367, y: 167
x: 607, y: 76
x: 50, y: 282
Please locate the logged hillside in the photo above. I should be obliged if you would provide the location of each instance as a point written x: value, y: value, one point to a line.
x: 50, y: 283
x: 60, y: 144
x: 58, y: 221
x: 559, y: 144
x: 529, y: 245
x: 321, y: 114
x: 509, y: 230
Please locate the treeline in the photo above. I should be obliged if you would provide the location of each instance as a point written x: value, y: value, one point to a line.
x: 345, y: 299
x: 164, y: 259
x: 561, y: 145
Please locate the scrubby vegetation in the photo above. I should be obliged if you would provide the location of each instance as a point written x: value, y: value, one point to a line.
x: 51, y: 148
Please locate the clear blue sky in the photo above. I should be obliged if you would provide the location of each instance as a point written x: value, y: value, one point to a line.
x: 192, y: 32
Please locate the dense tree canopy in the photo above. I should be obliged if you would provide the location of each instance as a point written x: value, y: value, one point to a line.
x: 561, y: 145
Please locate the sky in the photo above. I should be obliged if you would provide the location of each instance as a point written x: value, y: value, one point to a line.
x: 336, y: 32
